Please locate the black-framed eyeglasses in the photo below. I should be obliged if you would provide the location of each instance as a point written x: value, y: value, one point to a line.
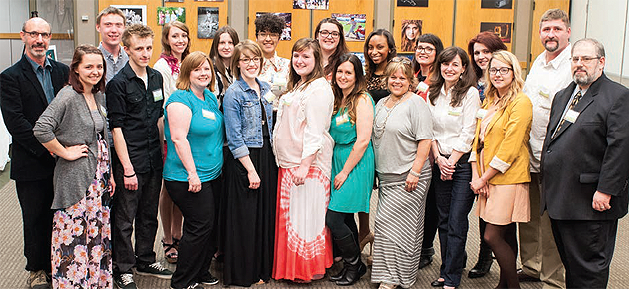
x: 584, y: 59
x: 333, y: 34
x: 248, y: 60
x: 35, y: 34
x: 264, y: 35
x: 425, y: 49
x: 501, y: 71
x: 403, y: 60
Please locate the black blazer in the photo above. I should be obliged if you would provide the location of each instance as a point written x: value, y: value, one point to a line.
x: 589, y: 155
x: 22, y: 101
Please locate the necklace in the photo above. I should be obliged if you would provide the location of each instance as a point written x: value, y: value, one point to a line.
x: 378, y: 130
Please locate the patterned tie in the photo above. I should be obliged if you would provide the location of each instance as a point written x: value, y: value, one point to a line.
x: 574, y: 102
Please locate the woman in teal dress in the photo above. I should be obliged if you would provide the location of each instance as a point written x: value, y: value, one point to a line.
x: 352, y: 163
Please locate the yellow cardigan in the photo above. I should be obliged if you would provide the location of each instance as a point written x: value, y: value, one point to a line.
x: 506, y: 146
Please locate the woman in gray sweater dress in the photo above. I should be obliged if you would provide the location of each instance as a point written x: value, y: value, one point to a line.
x: 73, y: 128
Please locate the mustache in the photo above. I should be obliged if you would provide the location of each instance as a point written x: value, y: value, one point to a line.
x: 38, y: 45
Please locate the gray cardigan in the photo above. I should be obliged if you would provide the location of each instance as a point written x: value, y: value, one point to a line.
x: 68, y: 119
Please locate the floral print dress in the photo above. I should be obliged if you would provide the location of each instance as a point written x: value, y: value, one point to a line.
x: 81, y: 248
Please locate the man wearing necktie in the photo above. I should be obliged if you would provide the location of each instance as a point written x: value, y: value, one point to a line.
x: 584, y: 167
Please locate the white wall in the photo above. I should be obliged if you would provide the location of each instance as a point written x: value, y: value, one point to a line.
x: 13, y: 14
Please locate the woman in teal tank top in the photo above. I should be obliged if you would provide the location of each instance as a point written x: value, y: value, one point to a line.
x: 352, y: 163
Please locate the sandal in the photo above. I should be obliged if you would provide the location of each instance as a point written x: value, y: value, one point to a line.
x: 173, y: 255
x: 176, y: 243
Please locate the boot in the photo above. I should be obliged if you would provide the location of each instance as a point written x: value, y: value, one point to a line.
x: 484, y: 262
x: 354, y: 267
x: 338, y: 276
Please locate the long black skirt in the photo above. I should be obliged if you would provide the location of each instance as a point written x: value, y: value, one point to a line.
x: 249, y: 219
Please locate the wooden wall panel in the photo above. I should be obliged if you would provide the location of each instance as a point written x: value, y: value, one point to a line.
x: 540, y: 8
x: 300, y: 26
x: 191, y: 20
x: 348, y: 7
x: 469, y: 15
x: 437, y: 18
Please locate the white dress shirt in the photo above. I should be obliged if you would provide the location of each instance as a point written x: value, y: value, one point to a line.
x: 544, y: 80
x: 454, y: 127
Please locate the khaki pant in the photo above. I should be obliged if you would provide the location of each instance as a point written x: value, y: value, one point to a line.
x: 538, y: 251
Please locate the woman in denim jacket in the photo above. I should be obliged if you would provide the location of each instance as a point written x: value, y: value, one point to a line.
x: 250, y: 172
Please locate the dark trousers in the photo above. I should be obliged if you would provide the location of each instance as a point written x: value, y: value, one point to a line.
x: 35, y: 200
x: 586, y: 249
x: 341, y: 225
x: 454, y: 202
x: 139, y: 206
x: 197, y: 245
x: 431, y: 221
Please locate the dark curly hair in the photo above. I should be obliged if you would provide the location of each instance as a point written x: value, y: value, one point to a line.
x: 269, y: 22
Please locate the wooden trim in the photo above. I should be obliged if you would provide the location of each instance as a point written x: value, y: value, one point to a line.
x: 55, y: 36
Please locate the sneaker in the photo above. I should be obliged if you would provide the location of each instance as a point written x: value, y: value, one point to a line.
x: 38, y: 280
x: 156, y: 270
x: 124, y: 281
x: 208, y: 279
x: 193, y: 286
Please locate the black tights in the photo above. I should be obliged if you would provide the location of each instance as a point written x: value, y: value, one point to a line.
x: 502, y: 240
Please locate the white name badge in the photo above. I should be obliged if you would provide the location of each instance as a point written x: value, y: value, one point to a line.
x: 269, y: 96
x: 209, y: 114
x: 157, y: 95
x: 422, y: 87
x: 103, y: 111
x: 481, y: 113
x: 341, y: 119
x: 286, y: 101
x: 455, y: 111
x: 544, y: 93
x: 571, y: 116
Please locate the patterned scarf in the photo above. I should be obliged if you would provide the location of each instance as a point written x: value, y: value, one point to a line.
x: 172, y: 62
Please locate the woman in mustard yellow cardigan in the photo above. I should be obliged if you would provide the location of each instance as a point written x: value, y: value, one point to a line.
x: 500, y: 161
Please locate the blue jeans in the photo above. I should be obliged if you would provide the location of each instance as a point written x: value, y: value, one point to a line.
x: 454, y: 202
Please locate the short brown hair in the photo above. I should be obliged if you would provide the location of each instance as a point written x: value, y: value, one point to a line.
x: 317, y: 72
x: 111, y: 10
x: 74, y: 80
x: 400, y: 62
x: 246, y: 45
x: 166, y: 30
x: 555, y: 14
x: 192, y: 61
x: 139, y: 30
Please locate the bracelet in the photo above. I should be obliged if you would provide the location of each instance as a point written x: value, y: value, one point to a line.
x: 129, y: 176
x: 413, y: 173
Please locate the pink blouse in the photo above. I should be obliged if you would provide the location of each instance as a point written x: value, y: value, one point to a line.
x: 302, y: 126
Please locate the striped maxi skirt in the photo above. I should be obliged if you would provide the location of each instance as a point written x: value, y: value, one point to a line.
x: 399, y: 229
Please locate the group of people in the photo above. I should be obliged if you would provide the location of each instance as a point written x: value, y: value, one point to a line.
x: 262, y: 162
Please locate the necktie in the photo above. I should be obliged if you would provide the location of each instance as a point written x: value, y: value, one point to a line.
x: 574, y: 102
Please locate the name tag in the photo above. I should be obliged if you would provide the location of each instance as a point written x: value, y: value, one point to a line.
x: 157, y: 95
x: 341, y: 119
x: 286, y: 101
x: 209, y: 114
x: 103, y: 111
x: 279, y: 80
x: 422, y: 87
x: 481, y: 113
x: 455, y: 111
x: 571, y: 116
x: 544, y: 93
x: 269, y: 96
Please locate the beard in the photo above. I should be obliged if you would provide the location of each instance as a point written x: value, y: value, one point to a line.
x: 551, y: 48
x: 583, y: 79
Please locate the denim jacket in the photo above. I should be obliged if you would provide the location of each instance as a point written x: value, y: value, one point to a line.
x: 243, y: 116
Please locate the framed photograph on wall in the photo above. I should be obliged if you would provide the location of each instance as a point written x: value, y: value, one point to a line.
x: 169, y: 14
x: 496, y: 4
x: 502, y: 30
x: 411, y: 29
x: 133, y: 13
x: 52, y: 52
x: 207, y: 23
x: 311, y: 4
x: 353, y: 25
x: 412, y: 3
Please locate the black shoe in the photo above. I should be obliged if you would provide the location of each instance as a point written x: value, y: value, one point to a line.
x: 124, y: 281
x: 353, y: 266
x: 353, y: 273
x: 523, y: 277
x: 156, y: 270
x: 437, y: 283
x: 208, y: 279
x: 339, y: 276
x: 424, y: 261
x: 483, y: 265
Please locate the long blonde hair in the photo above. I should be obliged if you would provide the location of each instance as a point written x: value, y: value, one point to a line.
x: 516, y: 86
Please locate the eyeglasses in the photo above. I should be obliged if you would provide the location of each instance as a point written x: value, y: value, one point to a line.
x: 584, y: 59
x: 402, y: 60
x: 501, y: 71
x: 248, y: 60
x: 325, y: 34
x: 425, y: 49
x: 264, y: 35
x: 35, y: 34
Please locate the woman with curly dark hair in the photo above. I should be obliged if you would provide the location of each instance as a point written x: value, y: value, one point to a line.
x: 275, y: 69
